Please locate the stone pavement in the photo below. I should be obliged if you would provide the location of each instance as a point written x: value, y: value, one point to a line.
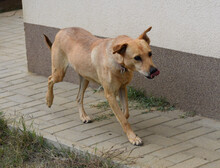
x: 169, y: 141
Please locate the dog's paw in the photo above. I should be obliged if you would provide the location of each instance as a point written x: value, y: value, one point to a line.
x: 49, y: 100
x: 86, y: 119
x: 127, y: 115
x: 136, y: 141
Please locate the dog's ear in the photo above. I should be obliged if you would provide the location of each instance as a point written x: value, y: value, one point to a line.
x: 144, y: 35
x: 120, y: 48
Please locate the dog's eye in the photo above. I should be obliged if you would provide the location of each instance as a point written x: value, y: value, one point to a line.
x: 150, y: 54
x: 137, y: 58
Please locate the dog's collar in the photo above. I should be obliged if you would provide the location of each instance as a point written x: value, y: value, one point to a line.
x: 123, y: 69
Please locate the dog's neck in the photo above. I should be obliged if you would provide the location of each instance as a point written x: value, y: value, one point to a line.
x: 123, y: 69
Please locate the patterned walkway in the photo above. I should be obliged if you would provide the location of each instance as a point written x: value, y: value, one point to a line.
x: 169, y: 140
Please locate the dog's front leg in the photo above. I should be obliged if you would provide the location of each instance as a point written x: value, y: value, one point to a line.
x: 110, y: 96
x: 124, y: 101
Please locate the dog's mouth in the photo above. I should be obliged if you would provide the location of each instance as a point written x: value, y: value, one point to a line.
x: 151, y: 76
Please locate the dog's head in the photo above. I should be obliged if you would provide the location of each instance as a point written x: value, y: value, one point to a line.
x: 136, y: 55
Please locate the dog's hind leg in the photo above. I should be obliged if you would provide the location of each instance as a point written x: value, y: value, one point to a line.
x: 82, y: 87
x: 59, y: 65
x: 124, y: 101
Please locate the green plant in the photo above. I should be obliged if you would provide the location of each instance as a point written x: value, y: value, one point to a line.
x: 147, y: 102
x: 188, y: 114
x: 22, y: 147
x: 101, y: 105
x: 103, y: 116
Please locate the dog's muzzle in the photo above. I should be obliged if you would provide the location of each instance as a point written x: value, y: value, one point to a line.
x: 153, y: 72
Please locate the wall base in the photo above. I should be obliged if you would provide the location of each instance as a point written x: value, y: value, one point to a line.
x: 191, y: 82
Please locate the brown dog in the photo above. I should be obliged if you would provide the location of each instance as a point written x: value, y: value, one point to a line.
x: 109, y: 62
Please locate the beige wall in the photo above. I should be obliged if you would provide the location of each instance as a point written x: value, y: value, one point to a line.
x: 186, y: 25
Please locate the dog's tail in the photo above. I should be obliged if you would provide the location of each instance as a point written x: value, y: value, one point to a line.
x: 49, y: 43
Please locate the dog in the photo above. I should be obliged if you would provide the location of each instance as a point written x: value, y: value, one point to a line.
x: 107, y: 61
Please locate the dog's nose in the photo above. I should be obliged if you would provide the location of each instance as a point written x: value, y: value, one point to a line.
x: 154, y: 72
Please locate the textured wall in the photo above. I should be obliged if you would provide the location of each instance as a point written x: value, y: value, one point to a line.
x: 186, y: 25
x: 189, y: 81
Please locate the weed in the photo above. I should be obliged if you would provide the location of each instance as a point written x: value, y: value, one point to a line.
x: 188, y: 114
x: 148, y: 102
x: 138, y: 100
x: 20, y: 147
x: 103, y: 116
x: 101, y: 105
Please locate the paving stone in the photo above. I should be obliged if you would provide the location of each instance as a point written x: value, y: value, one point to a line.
x: 21, y: 85
x: 181, y: 121
x: 54, y: 108
x: 142, y: 133
x: 162, y: 163
x: 32, y: 103
x: 93, y: 110
x: 26, y: 91
x: 5, y: 75
x: 28, y: 110
x: 188, y: 126
x: 193, y: 133
x: 115, y: 127
x: 152, y: 122
x: 59, y: 120
x: 160, y: 140
x: 61, y: 127
x: 6, y: 94
x: 145, y: 161
x: 95, y: 131
x: 165, y: 130
x: 70, y: 105
x: 206, y: 143
x: 39, y: 85
x: 37, y: 114
x: 99, y: 138
x: 214, y: 135
x: 140, y: 118
x: 211, y: 165
x: 2, y: 100
x: 105, y: 146
x: 39, y: 124
x: 19, y: 98
x: 203, y: 153
x: 119, y: 140
x: 179, y: 157
x: 88, y: 100
x: 206, y: 122
x: 153, y: 162
x: 72, y: 135
x: 92, y: 125
x: 146, y: 149
x: 4, y: 84
x: 60, y: 100
x: 192, y: 163
x: 172, y: 150
x: 39, y: 96
x: 8, y: 104
x: 18, y: 81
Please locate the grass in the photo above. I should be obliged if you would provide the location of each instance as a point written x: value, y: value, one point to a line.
x: 101, y: 105
x: 138, y: 100
x: 20, y: 147
x: 103, y: 116
x: 188, y: 114
x: 148, y: 102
